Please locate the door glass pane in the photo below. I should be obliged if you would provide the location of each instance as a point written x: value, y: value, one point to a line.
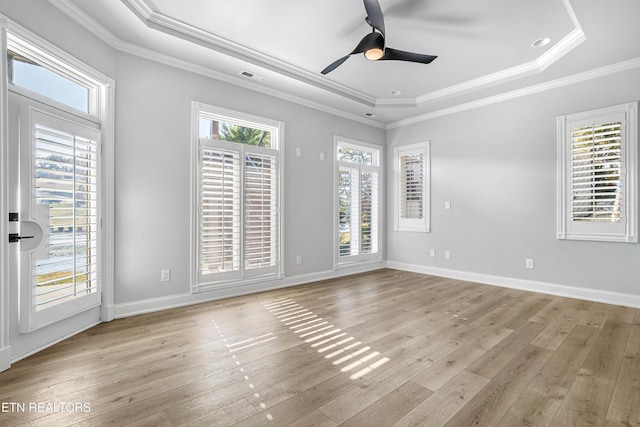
x: 65, y: 195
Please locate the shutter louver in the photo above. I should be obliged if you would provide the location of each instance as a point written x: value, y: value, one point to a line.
x: 349, y: 206
x: 412, y: 186
x: 66, y: 182
x: 596, y: 173
x: 260, y: 211
x: 368, y: 208
x: 219, y: 211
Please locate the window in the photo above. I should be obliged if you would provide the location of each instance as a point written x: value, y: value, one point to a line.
x: 411, y: 175
x: 238, y: 193
x: 358, y: 202
x: 597, y: 168
x: 30, y: 68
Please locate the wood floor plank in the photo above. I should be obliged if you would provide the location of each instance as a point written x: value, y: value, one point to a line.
x: 314, y: 419
x: 625, y: 402
x: 391, y: 407
x: 380, y: 383
x: 540, y: 401
x: 438, y: 409
x: 554, y: 335
x: 373, y: 349
x: 588, y: 399
x: 491, y: 403
x: 443, y: 371
x: 498, y: 358
x: 596, y: 315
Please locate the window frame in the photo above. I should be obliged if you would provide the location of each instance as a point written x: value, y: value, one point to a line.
x: 377, y: 167
x: 624, y: 230
x: 421, y: 225
x: 244, y: 276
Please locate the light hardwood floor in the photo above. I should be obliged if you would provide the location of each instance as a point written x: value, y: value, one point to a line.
x: 387, y: 348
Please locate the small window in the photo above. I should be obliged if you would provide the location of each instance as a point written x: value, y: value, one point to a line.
x: 597, y: 167
x: 221, y: 130
x: 411, y: 176
x: 27, y: 73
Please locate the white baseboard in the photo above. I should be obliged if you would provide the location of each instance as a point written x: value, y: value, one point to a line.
x: 596, y: 295
x: 108, y: 312
x: 5, y: 358
x: 174, y: 301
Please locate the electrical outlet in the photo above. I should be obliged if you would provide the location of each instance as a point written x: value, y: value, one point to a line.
x: 298, y: 259
x: 321, y: 155
x: 528, y: 263
x: 165, y: 275
x: 432, y: 253
x: 447, y: 254
x: 298, y: 152
x: 447, y: 205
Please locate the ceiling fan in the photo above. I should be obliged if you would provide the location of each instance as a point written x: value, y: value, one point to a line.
x: 373, y: 46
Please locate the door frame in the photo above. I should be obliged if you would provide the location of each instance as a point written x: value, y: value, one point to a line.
x: 105, y: 111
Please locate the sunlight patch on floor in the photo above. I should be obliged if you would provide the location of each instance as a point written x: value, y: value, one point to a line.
x: 317, y: 332
x: 247, y: 343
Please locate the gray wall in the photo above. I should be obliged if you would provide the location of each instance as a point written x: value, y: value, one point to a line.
x: 153, y: 125
x: 497, y: 166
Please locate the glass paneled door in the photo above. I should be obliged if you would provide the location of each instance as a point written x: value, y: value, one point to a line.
x: 59, y: 216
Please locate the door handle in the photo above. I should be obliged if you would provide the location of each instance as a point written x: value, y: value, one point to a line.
x: 14, y: 237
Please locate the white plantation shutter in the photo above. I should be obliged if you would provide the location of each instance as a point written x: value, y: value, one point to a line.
x: 238, y: 219
x: 349, y: 211
x: 65, y: 173
x: 412, y: 185
x: 369, y: 209
x: 260, y: 211
x: 219, y: 211
x: 597, y: 174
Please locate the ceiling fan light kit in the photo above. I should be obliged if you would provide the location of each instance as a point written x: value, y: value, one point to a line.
x: 373, y: 44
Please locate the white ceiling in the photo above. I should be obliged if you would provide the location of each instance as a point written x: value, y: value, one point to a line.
x: 483, y: 46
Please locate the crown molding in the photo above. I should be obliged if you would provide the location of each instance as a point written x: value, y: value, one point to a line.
x: 552, y: 84
x: 109, y: 38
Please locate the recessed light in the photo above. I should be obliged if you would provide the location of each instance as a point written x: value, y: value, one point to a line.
x: 541, y: 42
x: 396, y: 92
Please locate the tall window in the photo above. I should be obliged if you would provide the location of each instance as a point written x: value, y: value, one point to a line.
x: 597, y: 168
x: 358, y: 201
x: 411, y: 175
x: 238, y: 192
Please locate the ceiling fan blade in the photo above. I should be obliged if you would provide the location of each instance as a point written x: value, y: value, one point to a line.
x: 400, y: 55
x: 367, y: 42
x: 335, y: 64
x: 374, y: 15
